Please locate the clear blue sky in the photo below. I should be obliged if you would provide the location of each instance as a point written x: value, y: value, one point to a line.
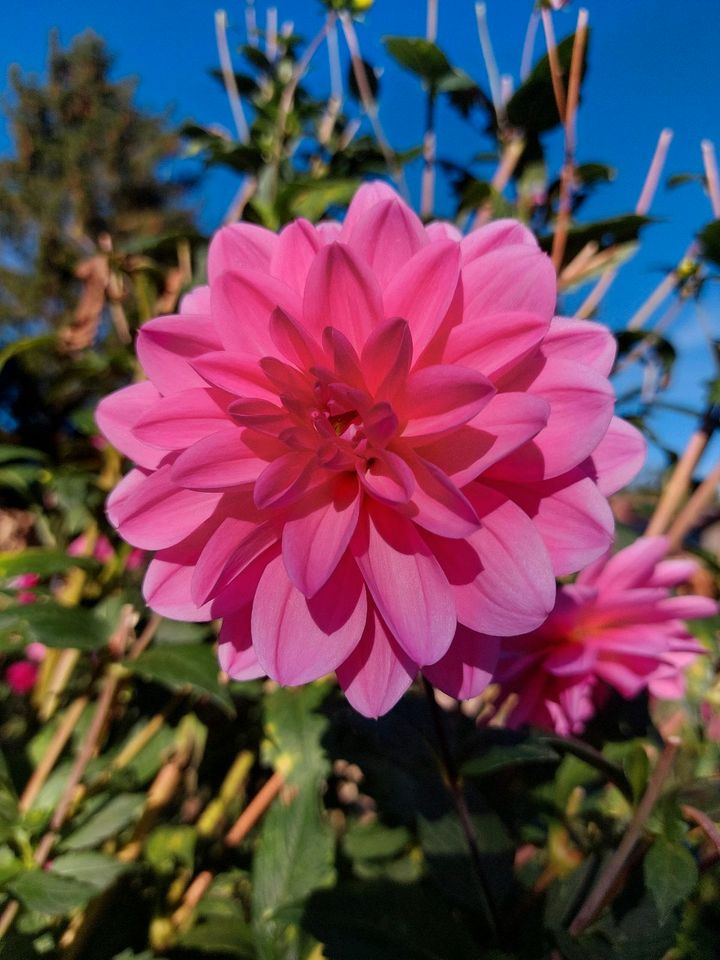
x: 653, y: 63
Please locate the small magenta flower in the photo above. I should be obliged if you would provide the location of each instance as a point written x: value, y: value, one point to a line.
x: 21, y: 676
x: 367, y: 447
x: 617, y: 626
x: 103, y: 551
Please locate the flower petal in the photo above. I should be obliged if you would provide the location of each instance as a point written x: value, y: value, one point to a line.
x: 217, y: 462
x: 467, y: 668
x: 294, y: 252
x: 495, y: 347
x: 243, y: 302
x: 366, y: 196
x: 378, y: 671
x: 581, y: 341
x: 387, y: 236
x: 572, y: 516
x: 406, y: 582
x: 236, y: 653
x: 166, y: 346
x: 158, y: 513
x: 314, y: 543
x: 240, y: 245
x: 501, y: 576
x: 618, y: 458
x: 442, y: 397
x: 341, y: 292
x: 511, y: 278
x: 298, y: 640
x: 175, y: 422
x: 117, y: 414
x: 492, y: 236
x: 422, y: 291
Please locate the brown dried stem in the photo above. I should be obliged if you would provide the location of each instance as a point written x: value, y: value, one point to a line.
x: 602, y: 891
x: 556, y: 74
x: 254, y: 810
x: 568, y: 171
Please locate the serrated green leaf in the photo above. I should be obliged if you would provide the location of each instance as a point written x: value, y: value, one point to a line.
x: 107, y: 822
x: 671, y: 874
x: 294, y: 856
x: 187, y: 666
x: 227, y: 936
x: 94, y: 869
x: 419, y: 56
x: 45, y: 892
x: 294, y: 731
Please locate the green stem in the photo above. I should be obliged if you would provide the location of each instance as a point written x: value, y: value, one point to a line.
x: 455, y: 787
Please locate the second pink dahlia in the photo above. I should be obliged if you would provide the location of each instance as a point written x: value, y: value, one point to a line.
x: 365, y: 445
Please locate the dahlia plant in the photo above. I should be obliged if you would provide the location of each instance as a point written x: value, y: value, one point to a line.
x: 369, y: 448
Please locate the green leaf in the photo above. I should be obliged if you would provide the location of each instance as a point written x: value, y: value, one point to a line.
x: 43, y: 562
x: 500, y: 756
x: 23, y: 346
x: 170, y: 846
x: 532, y: 107
x: 611, y: 232
x: 671, y: 874
x: 107, y: 822
x: 57, y: 626
x: 45, y: 892
x: 312, y: 200
x: 294, y: 856
x: 419, y: 56
x: 185, y: 666
x: 9, y: 453
x: 294, y: 730
x: 94, y: 869
x: 228, y: 936
x: 374, y: 841
x: 709, y: 238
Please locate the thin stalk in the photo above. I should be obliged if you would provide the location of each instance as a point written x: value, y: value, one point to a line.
x: 427, y: 193
x: 568, y: 172
x: 602, y: 891
x: 644, y: 201
x: 678, y: 484
x: 452, y: 780
x: 489, y: 58
x: 693, y: 510
x: 228, y: 75
x: 369, y: 103
x: 556, y: 73
x: 271, y: 26
x: 711, y: 174
x: 583, y: 751
x: 254, y: 810
x: 55, y: 748
x: 529, y: 45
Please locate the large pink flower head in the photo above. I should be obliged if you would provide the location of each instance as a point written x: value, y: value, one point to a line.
x: 362, y: 445
x: 617, y: 626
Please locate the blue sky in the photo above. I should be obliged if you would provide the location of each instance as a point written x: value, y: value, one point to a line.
x: 653, y: 63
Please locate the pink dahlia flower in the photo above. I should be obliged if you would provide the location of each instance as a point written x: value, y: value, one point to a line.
x: 21, y: 676
x: 363, y: 444
x: 617, y: 626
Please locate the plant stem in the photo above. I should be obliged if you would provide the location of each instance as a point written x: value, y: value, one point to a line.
x: 455, y: 787
x: 568, y: 171
x: 602, y: 891
x: 254, y: 810
x: 228, y: 75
